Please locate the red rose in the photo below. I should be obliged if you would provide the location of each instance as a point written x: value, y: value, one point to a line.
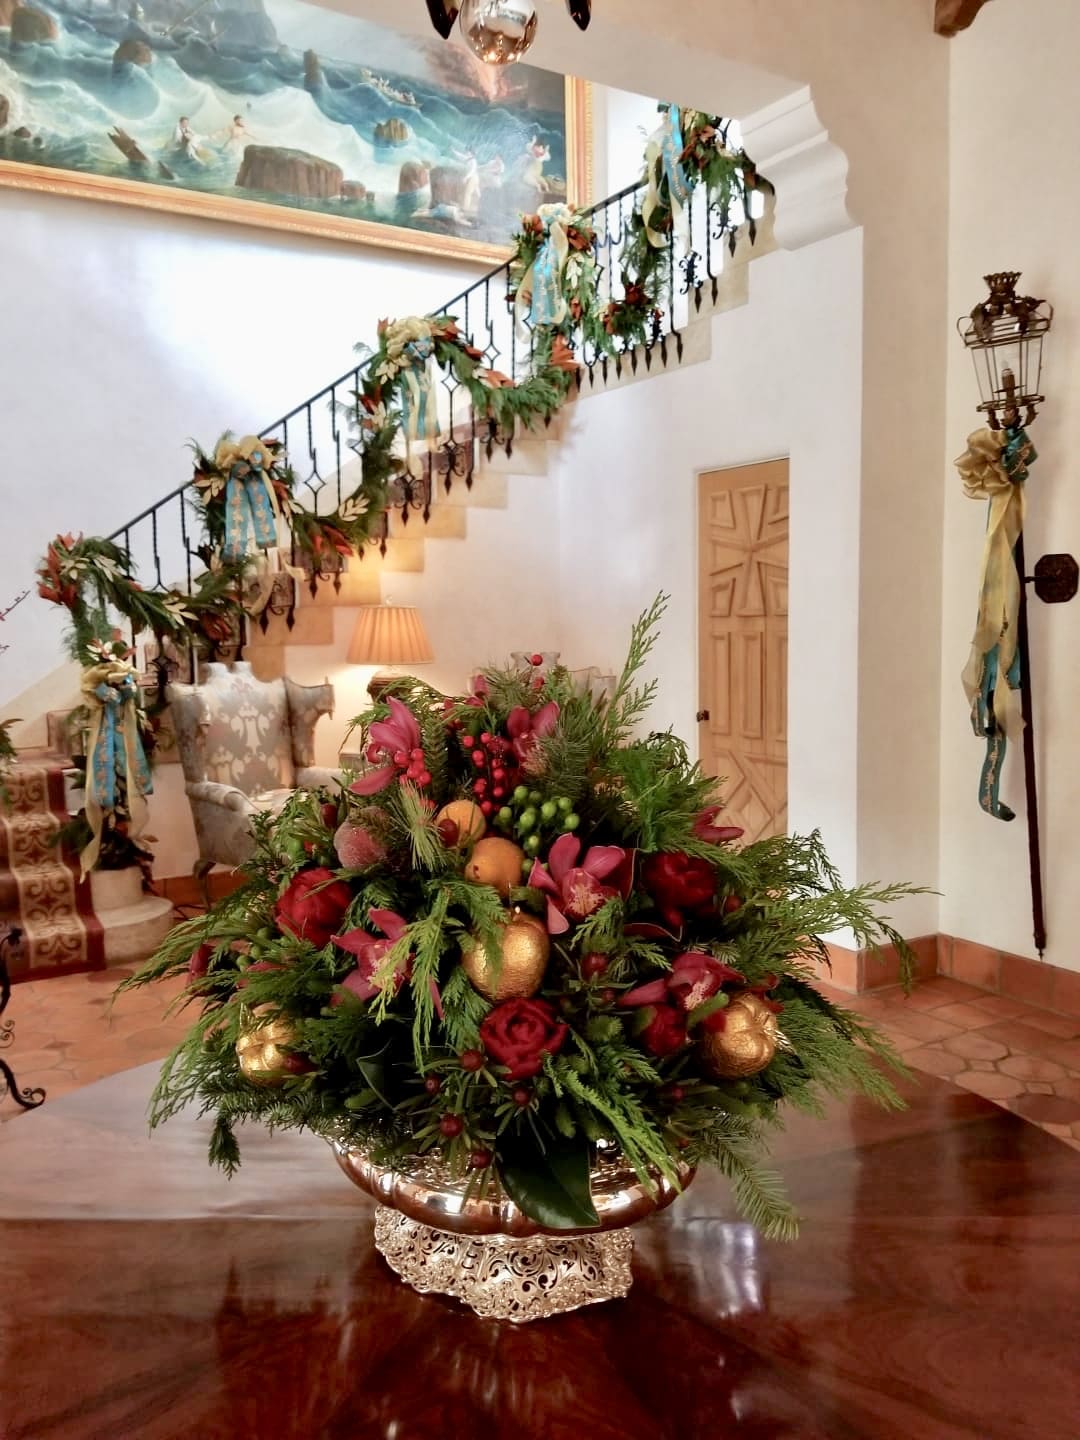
x: 679, y: 885
x: 313, y: 905
x: 519, y: 1033
x: 665, y: 1032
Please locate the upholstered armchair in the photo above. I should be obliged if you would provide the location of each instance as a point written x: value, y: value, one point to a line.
x: 245, y: 745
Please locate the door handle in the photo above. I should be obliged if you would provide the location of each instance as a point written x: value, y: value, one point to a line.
x: 702, y: 715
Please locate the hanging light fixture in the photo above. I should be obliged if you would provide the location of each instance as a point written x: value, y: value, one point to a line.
x: 498, y: 31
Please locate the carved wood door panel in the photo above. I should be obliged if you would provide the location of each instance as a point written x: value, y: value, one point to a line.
x: 742, y: 628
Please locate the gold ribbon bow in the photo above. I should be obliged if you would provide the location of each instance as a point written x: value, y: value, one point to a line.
x: 984, y: 478
x: 115, y: 674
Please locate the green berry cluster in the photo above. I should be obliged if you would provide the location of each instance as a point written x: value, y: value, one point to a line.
x: 534, y: 820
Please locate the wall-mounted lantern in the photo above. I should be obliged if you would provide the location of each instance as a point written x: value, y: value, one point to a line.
x: 1004, y: 335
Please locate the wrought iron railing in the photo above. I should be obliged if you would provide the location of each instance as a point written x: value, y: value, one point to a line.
x: 321, y: 433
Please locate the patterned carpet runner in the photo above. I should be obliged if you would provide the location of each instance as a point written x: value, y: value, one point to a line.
x: 40, y: 890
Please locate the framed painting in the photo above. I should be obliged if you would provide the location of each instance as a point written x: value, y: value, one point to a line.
x: 282, y: 114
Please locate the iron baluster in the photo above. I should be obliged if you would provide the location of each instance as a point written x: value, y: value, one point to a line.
x: 30, y: 1097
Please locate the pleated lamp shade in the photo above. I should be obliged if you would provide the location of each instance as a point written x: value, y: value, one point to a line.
x: 389, y: 635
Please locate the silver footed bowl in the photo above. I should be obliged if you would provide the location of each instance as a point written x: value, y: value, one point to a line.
x: 427, y: 1194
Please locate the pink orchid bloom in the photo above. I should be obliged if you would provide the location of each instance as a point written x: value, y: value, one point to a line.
x: 706, y: 829
x: 525, y: 727
x: 692, y: 979
x: 574, y: 891
x: 479, y: 687
x: 391, y: 741
x: 370, y: 954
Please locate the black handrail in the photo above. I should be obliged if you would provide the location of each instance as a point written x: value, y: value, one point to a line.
x: 487, y: 319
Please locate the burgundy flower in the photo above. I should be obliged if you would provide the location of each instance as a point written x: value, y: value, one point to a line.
x: 665, y: 1031
x: 526, y: 727
x: 520, y: 1033
x: 706, y: 829
x: 575, y: 891
x: 199, y: 964
x: 680, y: 886
x: 312, y: 905
x: 370, y: 954
x: 692, y: 979
x: 392, y: 742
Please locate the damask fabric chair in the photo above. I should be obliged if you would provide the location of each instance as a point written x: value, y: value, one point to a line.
x: 245, y: 746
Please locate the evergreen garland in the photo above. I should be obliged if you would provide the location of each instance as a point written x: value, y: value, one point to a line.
x: 357, y: 911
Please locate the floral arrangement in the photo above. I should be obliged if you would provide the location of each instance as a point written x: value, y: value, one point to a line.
x: 519, y: 934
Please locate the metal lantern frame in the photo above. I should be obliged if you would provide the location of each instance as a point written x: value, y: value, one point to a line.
x: 1004, y: 335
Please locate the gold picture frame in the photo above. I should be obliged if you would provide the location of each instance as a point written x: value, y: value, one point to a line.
x: 16, y: 173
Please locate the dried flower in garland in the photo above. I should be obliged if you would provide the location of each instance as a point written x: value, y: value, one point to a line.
x: 520, y: 933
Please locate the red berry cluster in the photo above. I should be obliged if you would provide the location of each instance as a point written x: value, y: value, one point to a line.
x: 410, y: 762
x: 496, y: 769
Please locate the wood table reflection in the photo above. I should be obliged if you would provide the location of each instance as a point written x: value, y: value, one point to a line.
x: 933, y: 1294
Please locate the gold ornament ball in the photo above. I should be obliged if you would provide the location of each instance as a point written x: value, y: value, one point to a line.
x: 468, y: 820
x: 496, y: 862
x: 264, y: 1050
x: 747, y: 1042
x: 525, y: 949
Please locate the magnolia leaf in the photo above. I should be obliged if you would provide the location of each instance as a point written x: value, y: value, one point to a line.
x: 550, y: 1185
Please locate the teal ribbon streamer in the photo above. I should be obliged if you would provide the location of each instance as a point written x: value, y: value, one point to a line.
x: 547, y: 306
x: 249, y: 516
x: 671, y: 148
x: 109, y: 760
x: 1017, y: 454
x: 415, y: 413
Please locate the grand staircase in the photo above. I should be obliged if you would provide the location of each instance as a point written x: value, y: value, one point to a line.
x: 467, y: 493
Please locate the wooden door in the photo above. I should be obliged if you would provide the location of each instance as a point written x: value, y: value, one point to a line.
x: 742, y: 625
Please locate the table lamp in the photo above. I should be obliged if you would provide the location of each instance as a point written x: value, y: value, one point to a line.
x: 389, y: 636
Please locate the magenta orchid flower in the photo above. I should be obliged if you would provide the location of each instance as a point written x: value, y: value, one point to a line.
x: 393, y: 742
x: 526, y: 727
x: 692, y: 979
x: 370, y: 954
x: 575, y: 891
x: 705, y: 827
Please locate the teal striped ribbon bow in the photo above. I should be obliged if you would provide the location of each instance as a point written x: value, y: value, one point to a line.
x: 249, y: 515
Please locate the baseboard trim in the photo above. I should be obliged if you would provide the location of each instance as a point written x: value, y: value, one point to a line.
x: 1036, y: 982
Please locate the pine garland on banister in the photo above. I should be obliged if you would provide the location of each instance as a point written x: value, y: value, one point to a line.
x: 519, y: 933
x: 243, y: 493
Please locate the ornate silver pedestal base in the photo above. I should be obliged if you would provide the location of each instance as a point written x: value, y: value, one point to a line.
x: 502, y: 1277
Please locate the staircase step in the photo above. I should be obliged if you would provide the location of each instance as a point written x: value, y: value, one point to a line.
x: 134, y: 932
x: 529, y: 456
x: 403, y: 557
x: 446, y: 522
x: 312, y: 625
x: 359, y: 586
x: 489, y: 490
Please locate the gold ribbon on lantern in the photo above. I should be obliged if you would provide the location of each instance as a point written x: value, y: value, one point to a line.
x: 113, y: 750
x: 985, y: 478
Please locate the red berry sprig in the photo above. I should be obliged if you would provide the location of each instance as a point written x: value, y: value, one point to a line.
x: 493, y: 759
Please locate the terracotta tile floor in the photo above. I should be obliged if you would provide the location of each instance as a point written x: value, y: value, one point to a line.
x: 1026, y: 1059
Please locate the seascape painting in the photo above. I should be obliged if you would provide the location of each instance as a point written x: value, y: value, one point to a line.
x: 279, y: 113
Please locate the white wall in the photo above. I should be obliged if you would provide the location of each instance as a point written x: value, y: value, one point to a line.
x: 984, y: 870
x: 627, y: 477
x: 125, y: 333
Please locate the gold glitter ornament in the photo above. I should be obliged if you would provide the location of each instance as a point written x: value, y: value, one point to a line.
x: 748, y: 1041
x: 264, y: 1051
x: 525, y: 950
x: 496, y: 862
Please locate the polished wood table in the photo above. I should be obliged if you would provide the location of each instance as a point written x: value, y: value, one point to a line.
x: 934, y: 1293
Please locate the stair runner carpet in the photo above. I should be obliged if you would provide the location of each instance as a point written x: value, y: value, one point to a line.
x: 40, y: 890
